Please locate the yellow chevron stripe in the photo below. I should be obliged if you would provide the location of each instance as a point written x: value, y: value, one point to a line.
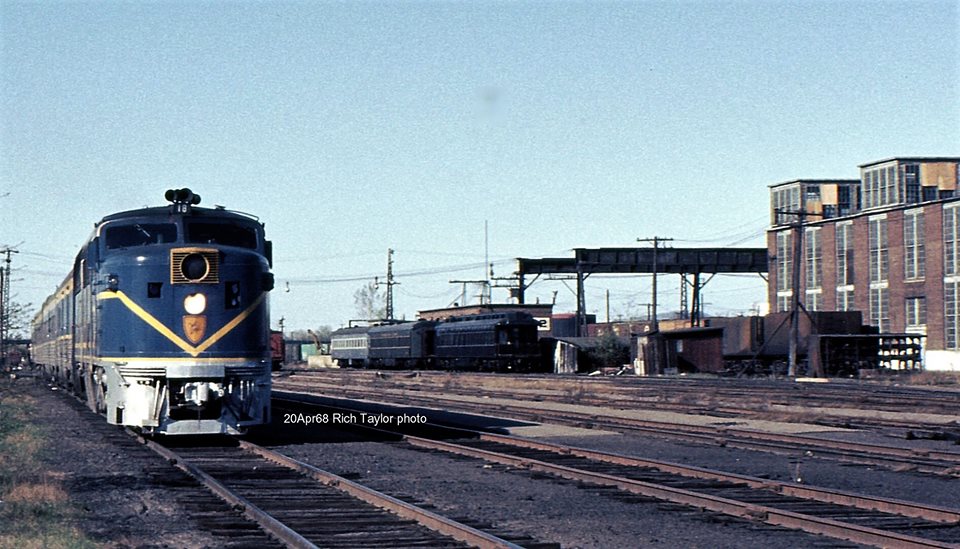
x: 169, y: 334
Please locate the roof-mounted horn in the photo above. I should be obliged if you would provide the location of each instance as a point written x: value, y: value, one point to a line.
x: 182, y: 199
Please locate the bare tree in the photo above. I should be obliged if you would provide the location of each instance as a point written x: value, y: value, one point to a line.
x: 16, y: 321
x: 323, y: 332
x: 369, y: 302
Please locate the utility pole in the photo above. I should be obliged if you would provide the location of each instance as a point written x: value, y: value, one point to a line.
x: 486, y: 262
x: 5, y: 303
x: 608, y: 306
x: 654, y: 326
x: 390, y: 284
x: 795, y: 303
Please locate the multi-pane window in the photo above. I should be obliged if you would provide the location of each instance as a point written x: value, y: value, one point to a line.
x: 879, y: 272
x: 869, y: 189
x: 910, y: 175
x: 913, y: 252
x: 951, y: 222
x: 879, y: 250
x: 844, y: 201
x: 880, y: 187
x: 951, y: 275
x: 845, y: 264
x: 783, y: 200
x: 892, y: 194
x: 814, y: 266
x: 880, y: 308
x: 951, y: 323
x: 784, y: 271
x: 916, y: 309
x: 845, y: 299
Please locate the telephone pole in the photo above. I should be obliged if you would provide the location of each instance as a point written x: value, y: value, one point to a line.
x: 5, y: 302
x: 655, y: 325
x: 795, y: 303
x: 390, y: 284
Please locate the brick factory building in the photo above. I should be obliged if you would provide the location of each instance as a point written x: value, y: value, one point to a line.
x: 886, y: 244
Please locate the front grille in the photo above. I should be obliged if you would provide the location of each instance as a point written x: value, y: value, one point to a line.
x: 194, y: 266
x: 247, y: 370
x: 141, y: 370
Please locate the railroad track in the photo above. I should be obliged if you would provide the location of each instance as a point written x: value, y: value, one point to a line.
x: 305, y: 507
x: 833, y: 405
x: 842, y: 515
x: 938, y: 462
x: 674, y: 390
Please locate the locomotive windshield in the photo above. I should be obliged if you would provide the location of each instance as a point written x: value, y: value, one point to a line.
x: 140, y: 234
x: 227, y: 234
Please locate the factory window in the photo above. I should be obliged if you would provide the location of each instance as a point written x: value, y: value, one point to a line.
x: 814, y: 300
x: 880, y: 187
x: 879, y: 273
x: 880, y: 308
x: 814, y: 269
x: 916, y: 315
x: 910, y: 175
x: 913, y: 251
x: 844, y: 202
x: 845, y: 251
x: 891, y: 194
x: 785, y: 200
x: 845, y: 299
x: 879, y: 250
x: 951, y: 273
x: 951, y: 220
x: 784, y: 271
x: 812, y: 192
x: 868, y: 189
x: 951, y: 322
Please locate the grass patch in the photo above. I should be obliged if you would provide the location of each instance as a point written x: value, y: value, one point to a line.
x: 34, y: 508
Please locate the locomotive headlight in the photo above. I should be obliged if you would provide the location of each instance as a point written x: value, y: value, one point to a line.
x: 195, y: 304
x: 194, y: 267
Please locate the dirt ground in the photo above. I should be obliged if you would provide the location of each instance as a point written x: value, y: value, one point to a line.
x: 113, y: 483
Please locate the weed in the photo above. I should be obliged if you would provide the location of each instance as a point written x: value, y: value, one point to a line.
x: 34, y: 509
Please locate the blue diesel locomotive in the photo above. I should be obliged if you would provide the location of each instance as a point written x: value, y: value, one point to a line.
x: 163, y: 322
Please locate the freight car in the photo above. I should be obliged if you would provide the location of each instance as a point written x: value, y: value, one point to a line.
x: 490, y: 342
x: 277, y: 348
x: 162, y: 324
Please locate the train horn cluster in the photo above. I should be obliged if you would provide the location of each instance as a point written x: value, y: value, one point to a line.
x: 182, y: 199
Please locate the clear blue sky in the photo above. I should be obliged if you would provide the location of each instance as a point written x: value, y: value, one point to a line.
x: 353, y: 127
